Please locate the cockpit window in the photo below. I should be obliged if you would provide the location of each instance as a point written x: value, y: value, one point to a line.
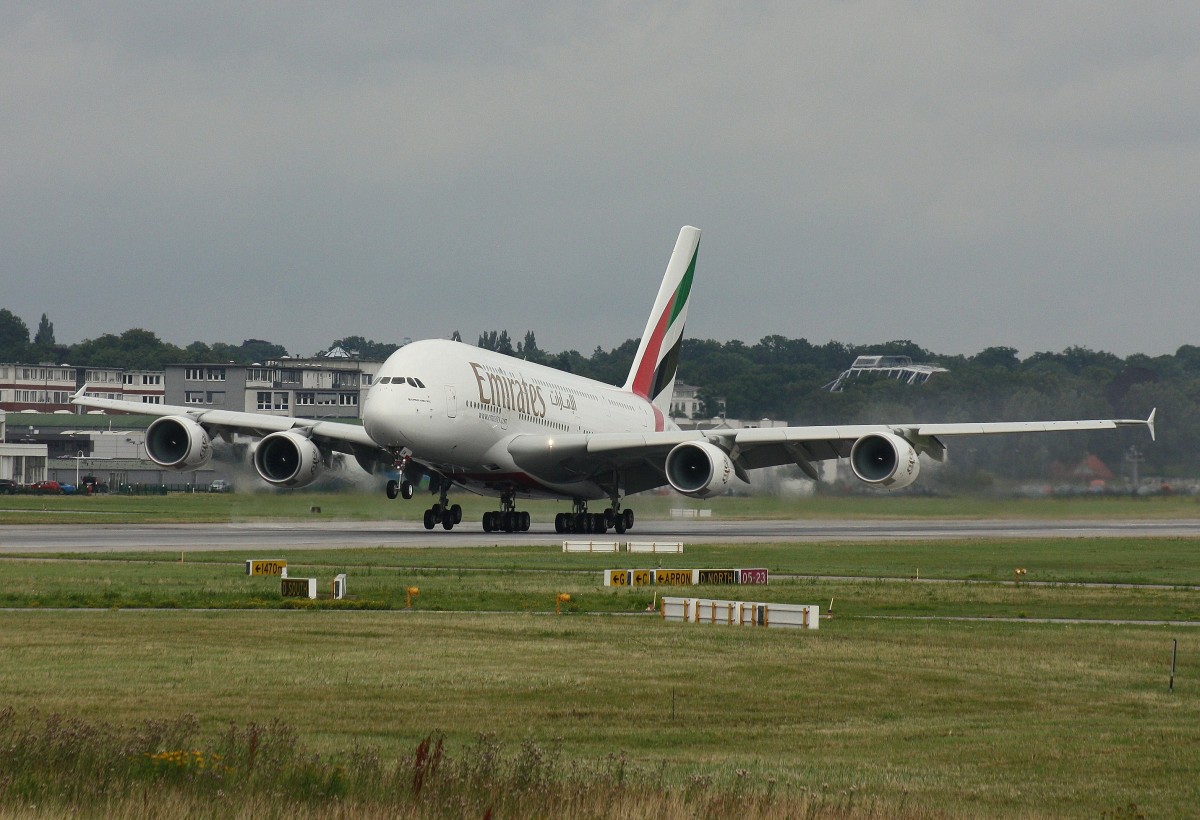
x: 385, y: 380
x: 416, y: 382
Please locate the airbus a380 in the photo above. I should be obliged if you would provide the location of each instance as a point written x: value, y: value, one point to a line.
x: 464, y: 417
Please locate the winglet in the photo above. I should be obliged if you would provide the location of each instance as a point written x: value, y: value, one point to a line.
x: 1150, y: 424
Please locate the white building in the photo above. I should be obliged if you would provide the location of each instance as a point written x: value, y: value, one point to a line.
x: 22, y: 463
x: 43, y: 388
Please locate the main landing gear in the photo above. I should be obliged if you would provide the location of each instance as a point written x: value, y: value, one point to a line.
x: 443, y: 512
x: 580, y: 521
x: 508, y: 518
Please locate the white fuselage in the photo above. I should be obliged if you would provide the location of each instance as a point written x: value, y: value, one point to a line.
x: 455, y: 407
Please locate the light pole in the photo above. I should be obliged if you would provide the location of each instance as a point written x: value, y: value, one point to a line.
x: 1134, y: 457
x: 78, y: 458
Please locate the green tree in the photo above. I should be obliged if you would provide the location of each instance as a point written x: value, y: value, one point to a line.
x: 14, y: 337
x: 529, y: 350
x: 44, y: 337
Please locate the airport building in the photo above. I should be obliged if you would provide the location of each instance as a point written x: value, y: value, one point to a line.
x: 145, y: 386
x: 22, y: 462
x: 321, y: 387
x: 47, y: 388
x: 686, y: 403
x: 43, y: 388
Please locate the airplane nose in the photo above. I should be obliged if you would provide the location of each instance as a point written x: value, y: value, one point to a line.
x: 384, y: 428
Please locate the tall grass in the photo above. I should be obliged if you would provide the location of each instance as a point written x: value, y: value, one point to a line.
x: 967, y: 719
x: 52, y: 765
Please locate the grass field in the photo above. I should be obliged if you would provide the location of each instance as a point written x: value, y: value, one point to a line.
x: 360, y: 506
x: 891, y: 709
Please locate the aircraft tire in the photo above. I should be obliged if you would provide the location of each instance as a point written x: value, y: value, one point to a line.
x: 456, y: 514
x: 525, y: 522
x: 406, y: 490
x: 628, y: 516
x: 448, y: 523
x: 429, y: 522
x: 390, y: 489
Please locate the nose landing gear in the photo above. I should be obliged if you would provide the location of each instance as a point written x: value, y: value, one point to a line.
x: 402, y: 487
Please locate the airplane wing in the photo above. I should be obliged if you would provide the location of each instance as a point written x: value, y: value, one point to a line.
x: 351, y: 439
x: 642, y: 458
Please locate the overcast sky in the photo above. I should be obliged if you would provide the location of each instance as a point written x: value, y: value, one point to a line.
x: 961, y: 175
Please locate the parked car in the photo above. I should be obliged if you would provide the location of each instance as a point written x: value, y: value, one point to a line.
x: 8, y: 486
x: 220, y: 485
x: 46, y: 488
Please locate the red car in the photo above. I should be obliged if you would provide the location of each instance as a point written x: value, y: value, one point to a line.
x: 46, y: 488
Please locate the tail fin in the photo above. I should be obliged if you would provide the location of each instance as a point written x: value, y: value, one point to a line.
x: 653, y: 373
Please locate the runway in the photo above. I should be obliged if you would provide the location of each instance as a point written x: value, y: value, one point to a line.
x: 36, y: 538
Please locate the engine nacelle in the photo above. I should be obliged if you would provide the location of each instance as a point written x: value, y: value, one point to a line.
x: 287, y: 459
x: 699, y: 469
x: 178, y: 443
x: 885, y: 460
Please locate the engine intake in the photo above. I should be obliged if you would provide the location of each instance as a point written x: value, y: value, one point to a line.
x: 287, y: 459
x: 885, y: 460
x: 178, y: 443
x: 699, y: 469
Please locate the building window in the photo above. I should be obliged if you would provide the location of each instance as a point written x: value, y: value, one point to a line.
x: 349, y: 400
x: 264, y: 400
x: 151, y: 399
x: 193, y: 397
x: 193, y: 374
x: 216, y: 374
x: 281, y: 401
x: 306, y: 399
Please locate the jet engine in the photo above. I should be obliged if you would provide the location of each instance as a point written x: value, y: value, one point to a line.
x: 885, y: 460
x: 699, y: 469
x: 287, y: 459
x: 178, y: 443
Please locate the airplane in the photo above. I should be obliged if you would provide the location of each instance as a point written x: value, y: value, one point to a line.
x: 463, y: 417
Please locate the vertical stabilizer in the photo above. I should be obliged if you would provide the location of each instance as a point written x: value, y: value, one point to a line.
x: 653, y: 374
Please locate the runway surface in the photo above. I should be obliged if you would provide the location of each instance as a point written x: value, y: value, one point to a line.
x: 16, y: 539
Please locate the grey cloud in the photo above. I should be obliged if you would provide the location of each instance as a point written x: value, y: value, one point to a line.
x: 1014, y: 174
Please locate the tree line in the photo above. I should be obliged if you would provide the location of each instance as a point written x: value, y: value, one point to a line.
x: 784, y: 379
